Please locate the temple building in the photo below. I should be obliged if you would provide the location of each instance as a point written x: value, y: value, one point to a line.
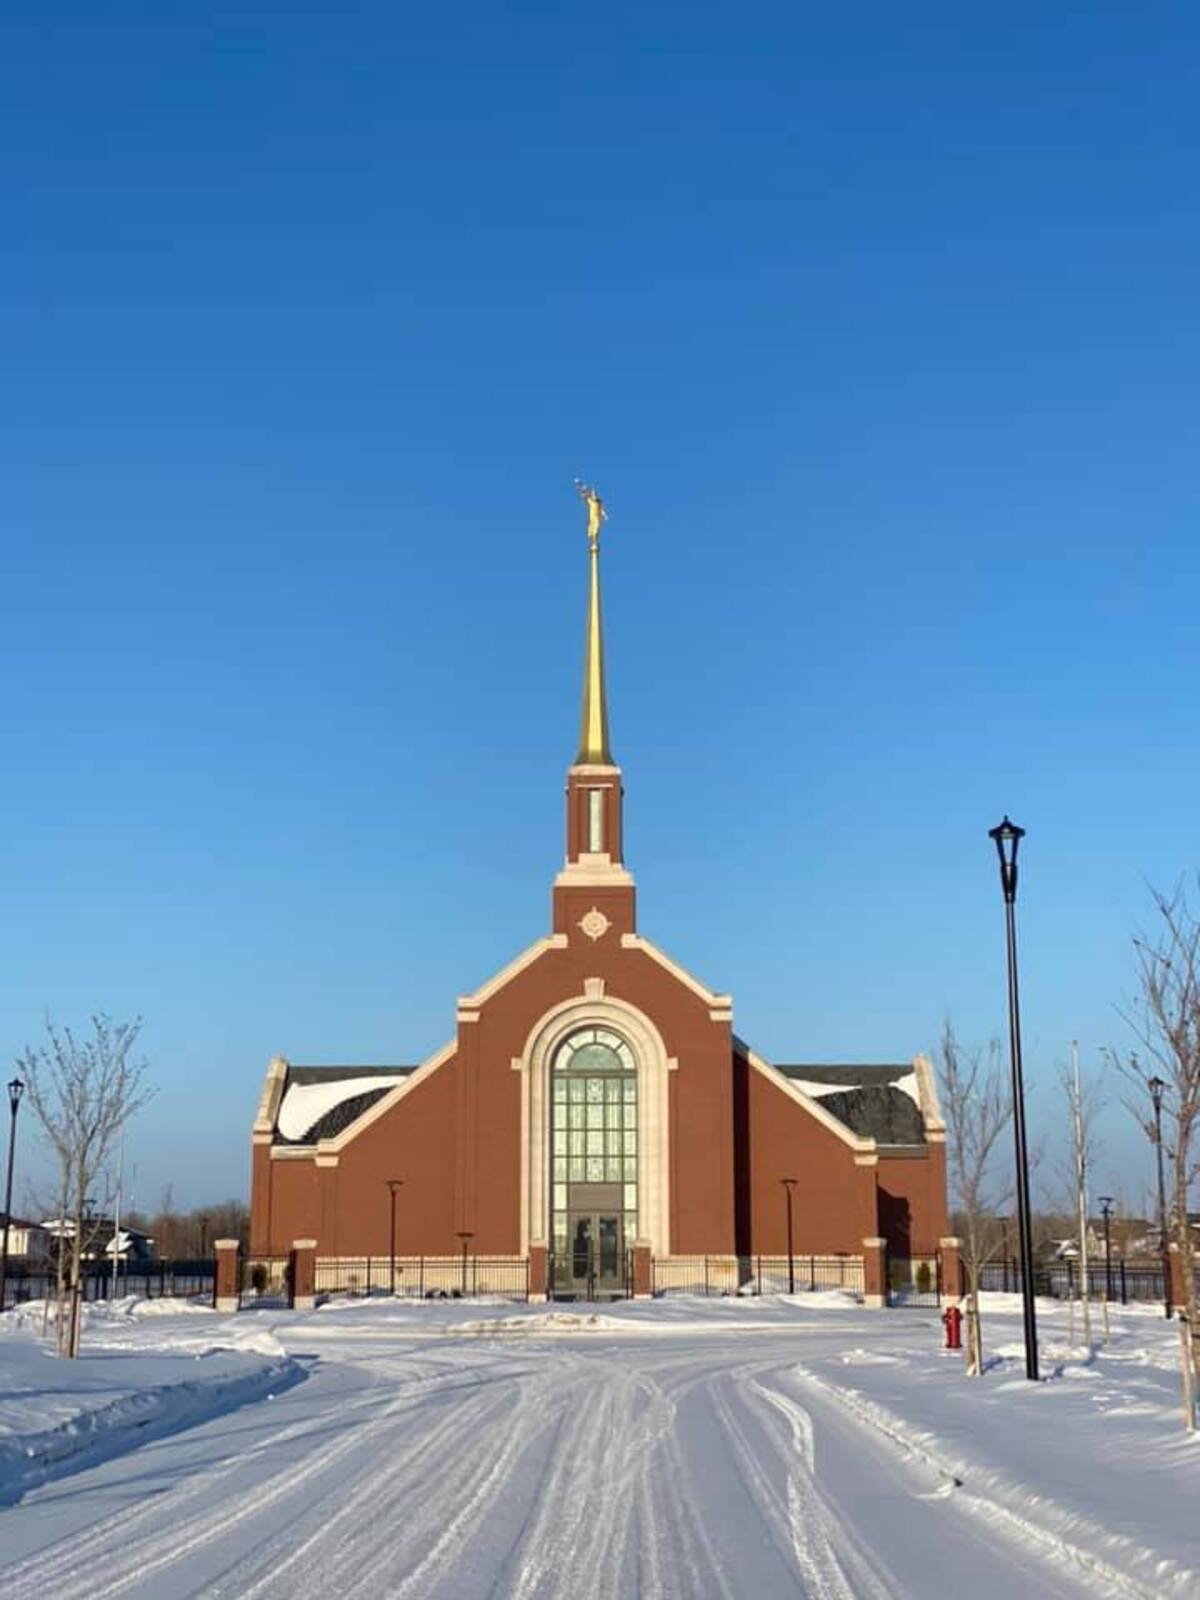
x: 595, y: 1106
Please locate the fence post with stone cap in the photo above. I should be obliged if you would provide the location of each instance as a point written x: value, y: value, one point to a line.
x: 304, y: 1274
x: 875, y: 1273
x: 225, y: 1276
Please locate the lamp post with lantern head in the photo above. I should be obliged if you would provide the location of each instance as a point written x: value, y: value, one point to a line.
x: 1007, y: 837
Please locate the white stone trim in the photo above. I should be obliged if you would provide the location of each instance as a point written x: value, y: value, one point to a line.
x: 268, y: 1104
x: 931, y: 1110
x: 472, y: 1002
x: 529, y: 1233
x: 866, y: 1150
x: 653, y: 1069
x: 594, y: 769
x: 720, y: 1005
x: 576, y: 875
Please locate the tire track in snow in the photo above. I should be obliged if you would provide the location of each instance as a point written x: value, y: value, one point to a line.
x: 815, y: 1528
x: 396, y: 1499
x: 672, y: 1510
x: 59, y: 1564
x: 797, y: 1517
x: 133, y: 1561
x: 604, y: 1451
x: 1060, y: 1553
x: 465, y: 1474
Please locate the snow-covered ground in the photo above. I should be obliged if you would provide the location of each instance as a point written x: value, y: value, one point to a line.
x: 151, y: 1367
x: 685, y: 1447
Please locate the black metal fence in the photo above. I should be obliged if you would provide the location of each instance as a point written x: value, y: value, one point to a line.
x: 152, y: 1280
x: 1060, y: 1280
x: 726, y: 1275
x: 265, y: 1282
x: 914, y: 1281
x: 425, y: 1277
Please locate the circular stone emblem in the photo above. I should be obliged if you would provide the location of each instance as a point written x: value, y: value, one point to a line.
x: 595, y: 924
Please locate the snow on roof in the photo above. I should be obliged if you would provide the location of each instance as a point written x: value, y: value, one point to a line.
x: 817, y: 1089
x: 304, y: 1104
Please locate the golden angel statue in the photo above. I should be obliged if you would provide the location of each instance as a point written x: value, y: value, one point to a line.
x: 596, y: 512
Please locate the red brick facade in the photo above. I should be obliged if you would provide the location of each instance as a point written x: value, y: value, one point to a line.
x: 467, y: 1131
x: 735, y: 1128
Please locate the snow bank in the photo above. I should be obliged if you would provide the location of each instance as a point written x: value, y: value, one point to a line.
x: 1090, y: 1466
x: 30, y: 1316
x: 57, y: 1416
x: 136, y: 1324
x: 548, y: 1322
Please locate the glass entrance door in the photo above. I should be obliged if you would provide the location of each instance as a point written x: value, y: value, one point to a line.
x: 595, y: 1258
x: 593, y: 1160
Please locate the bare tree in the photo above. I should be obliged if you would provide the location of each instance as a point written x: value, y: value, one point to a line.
x: 82, y: 1092
x: 1083, y: 1103
x: 977, y: 1109
x: 1165, y: 1016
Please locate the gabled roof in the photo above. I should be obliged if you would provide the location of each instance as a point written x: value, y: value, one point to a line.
x: 880, y: 1102
x: 334, y: 1074
x: 318, y: 1102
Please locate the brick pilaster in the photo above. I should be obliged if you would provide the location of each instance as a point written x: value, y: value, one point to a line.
x: 643, y: 1279
x: 950, y: 1268
x: 225, y: 1277
x: 538, y: 1273
x: 304, y: 1274
x: 875, y: 1273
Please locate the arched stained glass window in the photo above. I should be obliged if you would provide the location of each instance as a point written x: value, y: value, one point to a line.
x: 595, y: 1128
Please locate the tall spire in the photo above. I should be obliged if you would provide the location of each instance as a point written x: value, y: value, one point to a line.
x: 594, y: 892
x: 593, y: 731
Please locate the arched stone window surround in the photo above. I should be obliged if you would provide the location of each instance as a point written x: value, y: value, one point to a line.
x: 653, y: 1155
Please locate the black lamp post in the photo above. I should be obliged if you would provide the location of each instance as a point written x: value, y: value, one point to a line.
x: 15, y: 1090
x: 1007, y: 837
x: 394, y: 1187
x: 1106, y: 1205
x: 1157, y: 1088
x: 789, y: 1184
x: 466, y: 1239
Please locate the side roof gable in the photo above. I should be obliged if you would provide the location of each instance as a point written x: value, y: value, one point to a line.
x: 893, y: 1104
x: 864, y: 1148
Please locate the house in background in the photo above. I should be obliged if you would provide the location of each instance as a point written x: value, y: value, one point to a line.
x: 26, y: 1240
x: 102, y: 1241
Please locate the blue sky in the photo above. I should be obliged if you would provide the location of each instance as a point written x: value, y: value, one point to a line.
x: 877, y: 331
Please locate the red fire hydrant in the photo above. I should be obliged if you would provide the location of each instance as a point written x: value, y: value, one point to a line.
x: 952, y: 1318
